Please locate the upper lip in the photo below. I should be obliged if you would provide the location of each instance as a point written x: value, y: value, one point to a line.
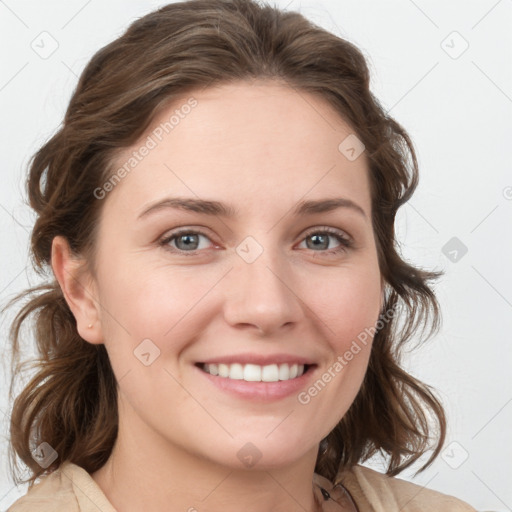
x: 259, y: 359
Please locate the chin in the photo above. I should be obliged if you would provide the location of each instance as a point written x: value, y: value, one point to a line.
x: 263, y: 453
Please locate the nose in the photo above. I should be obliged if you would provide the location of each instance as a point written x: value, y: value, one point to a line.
x: 260, y: 296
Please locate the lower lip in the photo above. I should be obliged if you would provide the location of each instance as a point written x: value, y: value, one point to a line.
x: 260, y: 391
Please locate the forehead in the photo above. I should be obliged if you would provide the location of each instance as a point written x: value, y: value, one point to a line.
x: 244, y: 141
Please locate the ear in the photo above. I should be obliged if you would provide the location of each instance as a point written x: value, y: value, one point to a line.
x: 79, y: 290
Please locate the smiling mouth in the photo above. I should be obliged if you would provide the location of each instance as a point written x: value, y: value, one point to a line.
x: 255, y: 372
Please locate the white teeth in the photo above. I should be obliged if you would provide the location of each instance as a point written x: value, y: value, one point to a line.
x: 284, y: 372
x: 236, y: 371
x: 270, y: 373
x: 255, y: 372
x: 252, y: 373
x: 223, y: 370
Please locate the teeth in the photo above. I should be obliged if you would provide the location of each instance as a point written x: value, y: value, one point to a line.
x: 236, y: 371
x: 270, y: 373
x: 255, y: 372
x: 251, y: 373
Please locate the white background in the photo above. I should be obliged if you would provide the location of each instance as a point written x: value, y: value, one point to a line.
x: 457, y: 107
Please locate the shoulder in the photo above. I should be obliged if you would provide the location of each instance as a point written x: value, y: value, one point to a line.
x: 391, y: 493
x: 69, y: 488
x: 53, y: 491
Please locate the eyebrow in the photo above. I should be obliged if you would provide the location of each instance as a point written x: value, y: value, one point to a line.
x: 222, y: 210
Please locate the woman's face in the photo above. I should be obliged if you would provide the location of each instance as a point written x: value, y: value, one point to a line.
x: 264, y: 285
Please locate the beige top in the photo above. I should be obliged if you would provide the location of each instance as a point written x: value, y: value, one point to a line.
x: 71, y: 489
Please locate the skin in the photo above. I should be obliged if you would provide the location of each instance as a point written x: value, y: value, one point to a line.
x: 261, y: 147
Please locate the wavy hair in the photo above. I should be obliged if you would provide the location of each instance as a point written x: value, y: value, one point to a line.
x: 71, y: 400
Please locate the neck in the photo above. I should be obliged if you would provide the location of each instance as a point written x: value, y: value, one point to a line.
x: 147, y: 472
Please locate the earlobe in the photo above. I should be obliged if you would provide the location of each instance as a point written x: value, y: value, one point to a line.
x: 78, y: 289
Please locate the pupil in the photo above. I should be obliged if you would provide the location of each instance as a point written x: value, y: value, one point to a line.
x: 319, y: 238
x: 187, y: 240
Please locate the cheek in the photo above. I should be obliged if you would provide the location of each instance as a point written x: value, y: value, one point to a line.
x: 148, y: 321
x: 136, y: 294
x: 163, y: 304
x: 349, y: 308
x: 349, y: 304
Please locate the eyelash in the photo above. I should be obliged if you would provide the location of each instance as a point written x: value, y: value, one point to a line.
x: 345, y: 242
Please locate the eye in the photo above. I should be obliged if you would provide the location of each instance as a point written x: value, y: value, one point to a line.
x: 187, y: 241
x: 320, y: 240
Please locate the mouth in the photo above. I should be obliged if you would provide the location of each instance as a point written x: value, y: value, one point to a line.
x: 256, y: 373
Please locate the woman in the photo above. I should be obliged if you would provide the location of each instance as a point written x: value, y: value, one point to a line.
x: 222, y: 330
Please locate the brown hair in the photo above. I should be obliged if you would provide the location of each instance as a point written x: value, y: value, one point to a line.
x: 71, y: 401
